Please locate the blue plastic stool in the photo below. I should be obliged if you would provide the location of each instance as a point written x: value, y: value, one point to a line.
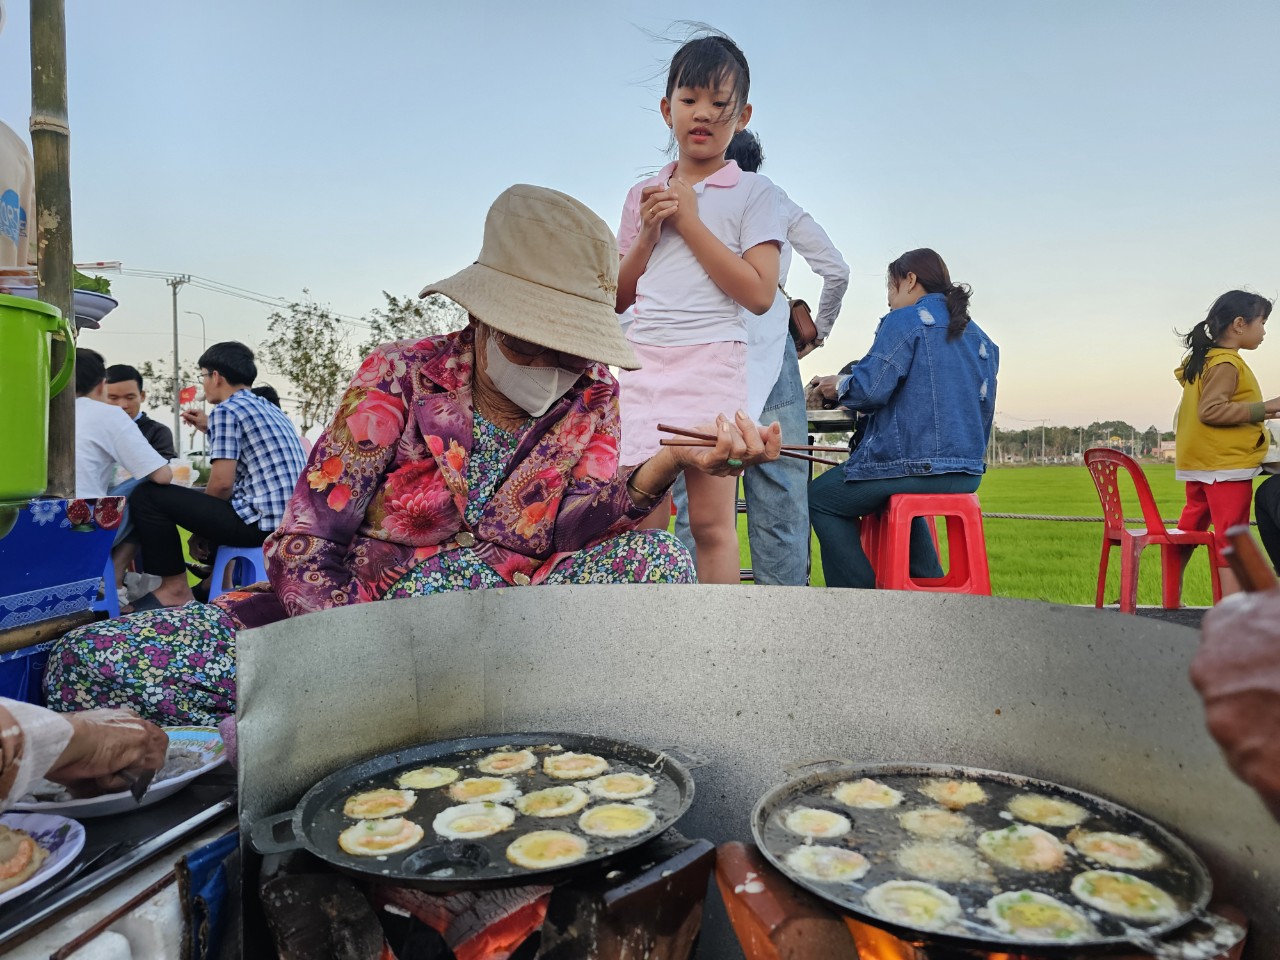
x: 110, y: 602
x: 247, y: 563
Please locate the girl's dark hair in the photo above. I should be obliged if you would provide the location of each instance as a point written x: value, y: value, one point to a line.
x: 932, y: 273
x: 707, y: 61
x: 746, y: 149
x: 1203, y: 336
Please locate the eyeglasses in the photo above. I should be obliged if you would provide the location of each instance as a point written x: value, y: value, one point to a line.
x: 531, y: 351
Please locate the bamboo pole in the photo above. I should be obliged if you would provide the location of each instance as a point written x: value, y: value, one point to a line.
x: 50, y: 142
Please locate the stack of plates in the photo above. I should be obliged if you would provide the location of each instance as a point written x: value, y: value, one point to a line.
x: 90, y: 307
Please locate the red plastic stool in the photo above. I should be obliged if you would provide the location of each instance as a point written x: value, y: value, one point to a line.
x: 886, y: 538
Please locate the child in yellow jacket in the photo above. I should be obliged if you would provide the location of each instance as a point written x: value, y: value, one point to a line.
x: 1221, y: 439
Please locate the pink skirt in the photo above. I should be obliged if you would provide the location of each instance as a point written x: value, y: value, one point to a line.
x: 680, y: 386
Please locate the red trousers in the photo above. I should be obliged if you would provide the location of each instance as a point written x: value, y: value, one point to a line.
x: 1225, y: 504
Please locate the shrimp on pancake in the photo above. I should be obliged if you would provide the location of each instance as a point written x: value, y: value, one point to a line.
x: 954, y: 794
x: 1024, y: 847
x: 866, y: 794
x: 376, y: 838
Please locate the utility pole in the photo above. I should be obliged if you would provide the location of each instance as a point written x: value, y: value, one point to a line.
x: 176, y: 283
x: 50, y: 142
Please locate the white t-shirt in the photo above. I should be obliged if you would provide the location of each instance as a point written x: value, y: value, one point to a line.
x: 677, y: 302
x: 768, y: 332
x: 106, y: 436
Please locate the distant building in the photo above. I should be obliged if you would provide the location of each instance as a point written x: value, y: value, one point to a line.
x: 1168, y: 449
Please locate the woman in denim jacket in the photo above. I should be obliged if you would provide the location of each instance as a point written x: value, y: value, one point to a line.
x: 928, y: 391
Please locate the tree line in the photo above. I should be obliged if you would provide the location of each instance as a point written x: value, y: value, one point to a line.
x: 1056, y: 444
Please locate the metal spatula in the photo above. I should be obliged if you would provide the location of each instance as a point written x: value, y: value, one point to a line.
x: 138, y: 782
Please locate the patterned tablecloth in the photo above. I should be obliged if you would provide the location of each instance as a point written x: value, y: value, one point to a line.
x: 52, y: 554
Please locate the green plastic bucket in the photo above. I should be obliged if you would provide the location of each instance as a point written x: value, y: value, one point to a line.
x: 25, y: 389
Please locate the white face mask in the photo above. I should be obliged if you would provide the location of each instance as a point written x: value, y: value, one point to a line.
x: 532, y: 389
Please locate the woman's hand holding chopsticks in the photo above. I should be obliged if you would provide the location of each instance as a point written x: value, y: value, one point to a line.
x: 726, y: 448
x: 723, y: 449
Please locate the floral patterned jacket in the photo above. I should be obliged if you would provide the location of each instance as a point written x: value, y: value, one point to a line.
x: 386, y: 485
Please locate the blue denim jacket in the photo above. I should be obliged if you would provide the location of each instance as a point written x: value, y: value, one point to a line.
x: 931, y: 401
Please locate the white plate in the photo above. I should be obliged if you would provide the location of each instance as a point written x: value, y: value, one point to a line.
x: 63, y: 838
x: 86, y: 303
x: 204, y: 739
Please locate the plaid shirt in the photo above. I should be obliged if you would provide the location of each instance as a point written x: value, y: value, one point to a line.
x: 264, y: 443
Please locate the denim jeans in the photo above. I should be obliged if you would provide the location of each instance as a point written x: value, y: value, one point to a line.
x: 837, y: 506
x: 776, y: 493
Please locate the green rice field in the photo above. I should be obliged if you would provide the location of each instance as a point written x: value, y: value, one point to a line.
x: 1058, y: 561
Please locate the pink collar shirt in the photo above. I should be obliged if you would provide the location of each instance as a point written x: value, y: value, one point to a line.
x: 677, y: 302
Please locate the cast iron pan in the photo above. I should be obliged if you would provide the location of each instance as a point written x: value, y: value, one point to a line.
x: 877, y: 835
x: 441, y: 865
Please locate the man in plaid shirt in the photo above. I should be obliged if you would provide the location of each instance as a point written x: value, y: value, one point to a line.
x: 255, y: 460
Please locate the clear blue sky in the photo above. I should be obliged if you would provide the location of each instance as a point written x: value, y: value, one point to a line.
x: 1098, y: 170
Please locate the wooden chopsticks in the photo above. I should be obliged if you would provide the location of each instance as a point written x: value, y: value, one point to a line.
x: 707, y: 440
x: 1247, y: 562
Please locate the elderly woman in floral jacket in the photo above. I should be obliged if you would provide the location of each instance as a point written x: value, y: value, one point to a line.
x: 484, y: 458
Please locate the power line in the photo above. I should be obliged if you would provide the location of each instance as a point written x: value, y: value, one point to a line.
x: 239, y: 293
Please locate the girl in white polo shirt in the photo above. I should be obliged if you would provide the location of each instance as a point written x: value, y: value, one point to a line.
x: 697, y: 240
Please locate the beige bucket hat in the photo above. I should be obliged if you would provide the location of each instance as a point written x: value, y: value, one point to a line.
x: 547, y: 273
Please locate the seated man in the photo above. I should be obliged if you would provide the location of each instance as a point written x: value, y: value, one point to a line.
x: 105, y: 436
x: 1266, y: 509
x: 124, y: 390
x: 255, y: 461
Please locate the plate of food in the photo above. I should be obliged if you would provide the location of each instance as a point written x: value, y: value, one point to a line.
x: 192, y: 751
x: 34, y: 847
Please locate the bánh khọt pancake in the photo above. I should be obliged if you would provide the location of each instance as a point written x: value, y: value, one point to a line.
x: 1116, y: 849
x: 553, y: 802
x: 936, y: 823
x: 1123, y: 895
x: 866, y: 794
x: 495, y: 789
x: 1029, y: 915
x: 827, y: 864
x: 616, y: 820
x: 1047, y: 811
x: 622, y: 786
x: 427, y: 778
x: 544, y: 849
x: 574, y: 766
x: 20, y: 857
x: 376, y: 838
x: 915, y: 904
x: 815, y: 823
x: 507, y: 761
x: 954, y: 794
x: 372, y: 804
x: 1024, y: 847
x: 943, y: 861
x: 473, y: 820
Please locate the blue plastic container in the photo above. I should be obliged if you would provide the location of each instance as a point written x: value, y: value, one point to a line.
x: 22, y: 673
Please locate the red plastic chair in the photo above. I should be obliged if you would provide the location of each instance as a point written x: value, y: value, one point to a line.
x: 1174, y: 544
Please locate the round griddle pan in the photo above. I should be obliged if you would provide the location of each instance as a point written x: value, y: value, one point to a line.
x: 877, y: 835
x: 437, y: 864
